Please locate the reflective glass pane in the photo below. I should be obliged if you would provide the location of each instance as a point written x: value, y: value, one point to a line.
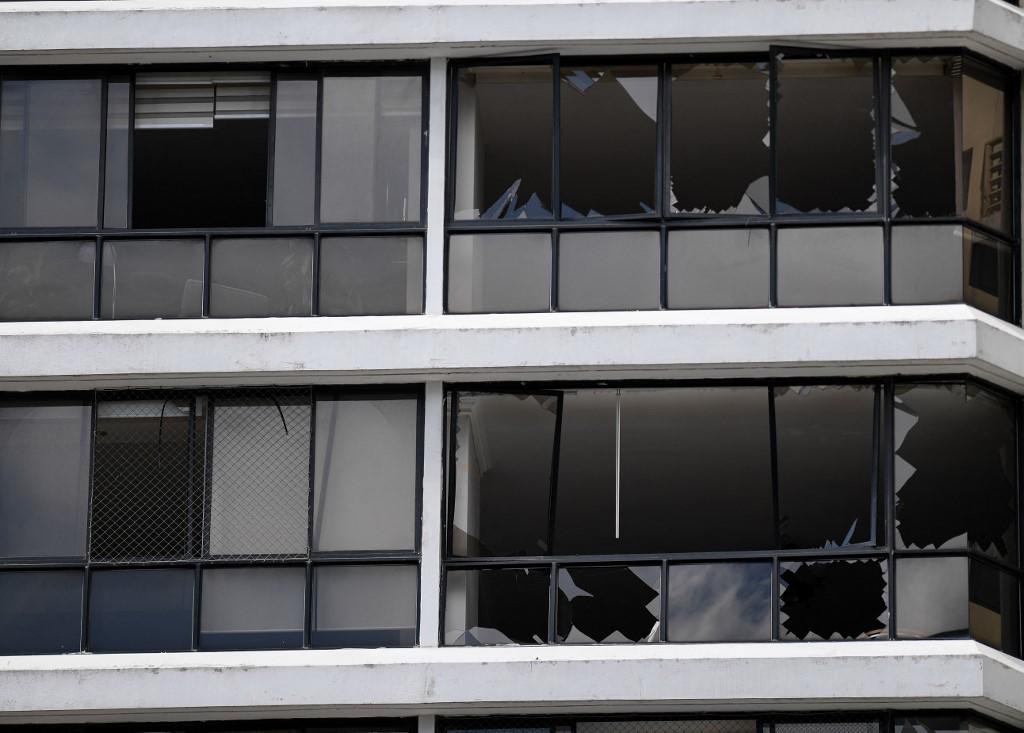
x: 831, y: 266
x: 928, y: 264
x: 370, y: 148
x: 46, y: 281
x: 152, y: 278
x: 503, y: 144
x: 261, y: 277
x: 931, y: 595
x: 115, y: 170
x: 825, y: 143
x: 253, y: 608
x: 371, y: 276
x: 499, y: 273
x: 49, y: 152
x: 608, y: 140
x: 609, y: 604
x: 41, y: 612
x: 609, y: 271
x: 294, y: 151
x: 364, y: 606
x: 719, y: 268
x: 141, y: 610
x: 506, y: 606
x: 719, y: 146
x: 836, y: 599
x: 720, y: 602
x: 995, y: 607
x: 985, y: 149
x: 988, y: 285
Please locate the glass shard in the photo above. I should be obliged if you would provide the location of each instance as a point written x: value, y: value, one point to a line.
x: 504, y: 606
x: 499, y: 273
x: 609, y: 604
x: 720, y: 602
x: 837, y: 599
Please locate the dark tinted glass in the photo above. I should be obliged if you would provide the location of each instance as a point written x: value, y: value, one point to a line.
x: 825, y: 143
x: 928, y: 264
x: 831, y: 266
x: 719, y: 268
x: 826, y: 466
x: 252, y: 608
x: 371, y: 276
x: 41, y: 612
x: 720, y: 602
x: 261, y: 277
x: 364, y: 606
x: 49, y: 152
x: 609, y: 271
x: 609, y: 604
x: 988, y: 284
x: 955, y: 469
x: 46, y: 281
x: 504, y: 445
x: 507, y: 606
x: 837, y: 599
x: 608, y: 140
x: 503, y: 146
x: 294, y: 151
x: 499, y: 273
x: 152, y: 278
x: 719, y: 145
x: 141, y: 610
x: 931, y: 595
x: 995, y: 608
x: 115, y: 170
x: 954, y: 723
x: 985, y: 149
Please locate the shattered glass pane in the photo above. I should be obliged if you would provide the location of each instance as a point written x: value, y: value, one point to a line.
x: 719, y: 147
x: 988, y: 267
x: 955, y: 469
x: 831, y: 266
x: 720, y: 602
x: 825, y: 144
x: 995, y: 607
x: 985, y: 175
x: 504, y: 143
x: 609, y: 271
x: 506, y: 606
x: 504, y: 444
x: 719, y: 268
x: 834, y: 599
x: 499, y: 273
x: 826, y: 466
x: 931, y: 595
x: 608, y: 140
x: 928, y: 264
x: 609, y: 604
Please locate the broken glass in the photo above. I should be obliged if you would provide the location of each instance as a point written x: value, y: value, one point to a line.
x: 371, y: 276
x: 831, y: 266
x: 41, y: 612
x: 118, y: 155
x: 47, y: 280
x: 261, y: 277
x: 719, y: 143
x: 825, y: 143
x: 719, y: 268
x: 985, y: 178
x: 955, y: 469
x: 499, y: 273
x: 995, y: 607
x: 364, y: 606
x: 500, y: 606
x: 988, y: 264
x: 141, y: 610
x: 152, y: 278
x: 294, y: 150
x: 504, y: 143
x: 609, y: 271
x: 833, y: 599
x: 608, y: 160
x: 608, y: 604
x: 720, y: 602
x: 253, y: 608
x: 931, y: 595
x: 826, y: 466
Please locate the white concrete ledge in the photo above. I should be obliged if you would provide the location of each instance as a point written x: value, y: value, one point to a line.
x: 594, y: 679
x: 806, y: 342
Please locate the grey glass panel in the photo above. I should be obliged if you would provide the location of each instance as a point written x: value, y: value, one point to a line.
x: 499, y: 273
x: 371, y: 147
x: 932, y: 724
x: 609, y: 604
x: 261, y: 277
x: 985, y: 150
x: 988, y: 284
x: 995, y: 608
x: 44, y: 484
x: 366, y: 474
x: 46, y: 281
x: 294, y: 151
x: 371, y: 276
x: 719, y: 725
x: 608, y: 140
x: 928, y: 264
x: 506, y: 606
x: 504, y: 445
x: 49, y: 152
x: 719, y: 147
x: 141, y: 610
x: 115, y: 170
x: 931, y: 595
x: 837, y: 599
x: 609, y: 271
x: 955, y: 469
x: 720, y: 602
x: 825, y: 143
x: 719, y: 268
x: 826, y: 466
x: 152, y: 278
x: 252, y: 608
x: 831, y: 266
x: 504, y: 142
x: 41, y: 612
x: 369, y: 606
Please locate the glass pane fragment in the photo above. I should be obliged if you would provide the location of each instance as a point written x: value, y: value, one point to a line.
x: 609, y: 604
x: 503, y: 606
x: 609, y: 271
x: 47, y: 280
x: 720, y: 602
x: 152, y: 278
x: 499, y: 273
x: 719, y: 268
x: 364, y: 606
x: 372, y: 276
x: 836, y: 599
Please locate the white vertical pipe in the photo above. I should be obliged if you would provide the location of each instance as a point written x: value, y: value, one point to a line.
x: 431, y: 541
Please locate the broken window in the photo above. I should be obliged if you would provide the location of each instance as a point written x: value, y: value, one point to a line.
x: 294, y: 151
x: 609, y: 271
x: 496, y: 606
x: 719, y: 268
x: 720, y: 602
x: 606, y: 604
x: 371, y: 276
x: 995, y: 607
x: 719, y: 139
x: 499, y: 273
x: 364, y: 606
x: 147, y: 610
x: 47, y: 280
x: 253, y: 608
x: 261, y: 277
x: 833, y: 599
x: 931, y: 595
x: 152, y: 278
x: 609, y: 117
x: 504, y: 143
x: 831, y: 266
x: 41, y: 612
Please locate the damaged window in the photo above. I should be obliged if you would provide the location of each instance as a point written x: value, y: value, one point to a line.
x: 501, y: 606
x: 720, y: 602
x: 835, y: 599
x: 609, y: 604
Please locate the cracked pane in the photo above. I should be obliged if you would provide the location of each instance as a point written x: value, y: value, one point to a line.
x: 955, y: 469
x: 719, y: 146
x: 609, y: 271
x: 152, y: 278
x: 719, y: 268
x: 253, y: 608
x: 995, y: 607
x: 931, y: 594
x: 41, y: 612
x: 364, y: 606
x: 720, y: 602
x: 506, y: 606
x: 608, y: 140
x: 834, y: 599
x: 499, y: 273
x: 826, y: 466
x: 609, y: 604
x: 504, y: 143
x: 825, y: 144
x: 831, y: 266
x: 985, y: 149
x: 261, y: 277
x: 47, y: 280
